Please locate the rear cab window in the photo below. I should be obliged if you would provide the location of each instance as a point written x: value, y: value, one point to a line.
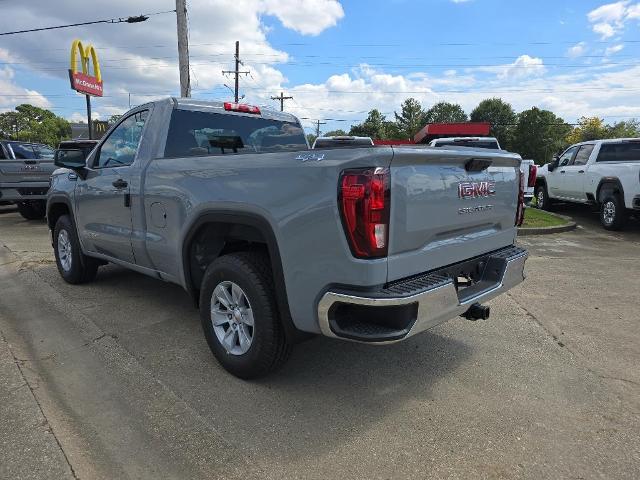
x: 195, y: 133
x: 22, y: 151
x: 487, y: 144
x: 619, y: 152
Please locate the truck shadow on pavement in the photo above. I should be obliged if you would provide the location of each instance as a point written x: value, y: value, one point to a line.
x: 330, y: 391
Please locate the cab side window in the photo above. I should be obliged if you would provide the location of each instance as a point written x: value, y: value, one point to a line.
x: 583, y: 155
x: 122, y: 145
x: 566, y: 157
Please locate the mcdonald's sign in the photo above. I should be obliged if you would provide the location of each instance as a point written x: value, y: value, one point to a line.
x: 81, y: 81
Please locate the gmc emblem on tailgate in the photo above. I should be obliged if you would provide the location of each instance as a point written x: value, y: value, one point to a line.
x: 476, y: 189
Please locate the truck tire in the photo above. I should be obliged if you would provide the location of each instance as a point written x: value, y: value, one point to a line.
x: 73, y: 265
x: 239, y: 315
x: 542, y: 197
x: 613, y: 213
x: 33, y: 209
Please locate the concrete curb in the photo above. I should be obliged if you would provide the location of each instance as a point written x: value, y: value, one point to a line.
x: 571, y: 225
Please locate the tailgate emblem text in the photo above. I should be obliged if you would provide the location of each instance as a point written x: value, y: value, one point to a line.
x: 476, y: 189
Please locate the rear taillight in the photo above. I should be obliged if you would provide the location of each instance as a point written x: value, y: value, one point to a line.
x: 241, y: 107
x: 520, y: 209
x: 533, y: 174
x: 365, y: 207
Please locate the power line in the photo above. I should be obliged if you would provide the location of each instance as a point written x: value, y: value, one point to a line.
x: 133, y: 19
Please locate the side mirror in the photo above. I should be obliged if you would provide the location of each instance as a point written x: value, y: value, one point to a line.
x: 554, y: 164
x: 70, y: 158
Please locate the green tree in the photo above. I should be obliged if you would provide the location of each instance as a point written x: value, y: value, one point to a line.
x: 445, y: 112
x: 624, y: 129
x: 500, y: 115
x: 374, y: 126
x: 588, y: 128
x: 311, y: 138
x: 113, y: 119
x: 539, y: 134
x: 335, y: 133
x: 34, y: 124
x: 411, y: 118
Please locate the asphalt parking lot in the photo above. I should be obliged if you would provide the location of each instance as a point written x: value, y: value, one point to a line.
x: 114, y: 379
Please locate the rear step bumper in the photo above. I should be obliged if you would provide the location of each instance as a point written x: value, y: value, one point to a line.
x: 404, y: 308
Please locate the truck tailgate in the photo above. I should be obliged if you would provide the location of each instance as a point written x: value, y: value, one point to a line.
x: 27, y: 170
x: 443, y: 211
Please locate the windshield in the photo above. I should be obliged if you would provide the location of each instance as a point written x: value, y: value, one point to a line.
x: 203, y: 133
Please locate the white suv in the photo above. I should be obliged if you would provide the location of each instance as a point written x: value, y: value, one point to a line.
x: 605, y: 173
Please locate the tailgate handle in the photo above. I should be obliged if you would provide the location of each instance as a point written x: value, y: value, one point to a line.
x: 30, y: 162
x: 477, y: 164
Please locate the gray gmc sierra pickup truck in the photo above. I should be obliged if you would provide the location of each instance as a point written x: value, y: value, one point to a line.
x: 275, y: 241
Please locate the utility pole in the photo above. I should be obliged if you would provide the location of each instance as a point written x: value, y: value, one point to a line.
x: 318, y: 123
x: 183, y: 48
x: 237, y: 71
x: 282, y: 98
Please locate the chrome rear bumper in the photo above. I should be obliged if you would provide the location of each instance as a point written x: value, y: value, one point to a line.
x: 432, y: 298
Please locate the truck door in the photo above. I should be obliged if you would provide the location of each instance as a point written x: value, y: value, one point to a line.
x: 556, y: 179
x: 575, y: 174
x: 103, y: 198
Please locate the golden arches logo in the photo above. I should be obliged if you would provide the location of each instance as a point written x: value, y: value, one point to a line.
x: 82, y: 81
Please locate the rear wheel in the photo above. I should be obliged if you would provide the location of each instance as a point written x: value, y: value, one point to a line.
x: 239, y: 315
x: 542, y: 197
x: 73, y: 265
x: 32, y: 209
x: 613, y: 213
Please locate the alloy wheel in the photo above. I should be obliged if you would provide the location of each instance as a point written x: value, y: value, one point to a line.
x: 609, y: 212
x: 232, y: 318
x: 64, y: 250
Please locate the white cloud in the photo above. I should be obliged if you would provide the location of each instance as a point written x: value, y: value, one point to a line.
x: 309, y: 17
x: 610, y: 19
x: 577, y: 50
x: 613, y: 49
x: 13, y: 94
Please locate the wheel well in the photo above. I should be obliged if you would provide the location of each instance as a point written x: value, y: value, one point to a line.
x: 610, y: 186
x: 540, y: 182
x: 55, y: 212
x: 219, y: 233
x: 214, y: 239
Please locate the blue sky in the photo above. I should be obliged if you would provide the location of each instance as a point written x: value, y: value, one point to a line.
x: 339, y: 59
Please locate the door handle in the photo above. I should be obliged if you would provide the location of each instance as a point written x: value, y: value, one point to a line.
x: 580, y: 171
x: 120, y: 183
x: 562, y: 171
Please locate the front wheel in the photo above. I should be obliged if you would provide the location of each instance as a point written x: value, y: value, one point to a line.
x: 239, y: 315
x: 33, y: 209
x: 613, y: 213
x: 73, y: 265
x: 542, y: 198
